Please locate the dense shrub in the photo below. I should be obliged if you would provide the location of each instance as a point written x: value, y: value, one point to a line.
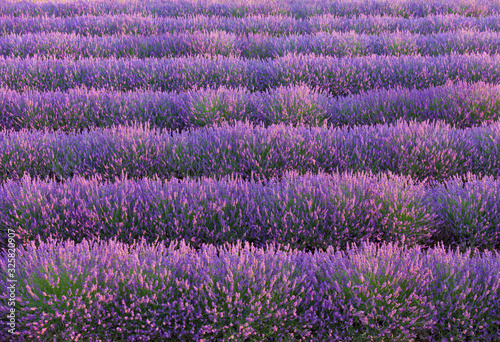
x: 338, y: 76
x: 460, y: 105
x: 113, y: 292
x: 423, y: 150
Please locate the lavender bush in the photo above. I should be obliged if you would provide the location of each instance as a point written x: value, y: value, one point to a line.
x: 260, y: 46
x: 149, y: 26
x: 381, y: 25
x: 305, y: 211
x: 471, y: 210
x: 423, y: 150
x: 273, y: 25
x: 461, y: 105
x: 404, y: 8
x: 113, y: 292
x: 338, y: 76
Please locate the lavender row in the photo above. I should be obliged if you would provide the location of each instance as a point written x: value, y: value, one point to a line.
x: 237, y: 9
x: 423, y: 150
x: 272, y: 25
x: 338, y: 76
x: 260, y: 46
x: 460, y: 105
x: 307, y: 212
x: 108, y: 291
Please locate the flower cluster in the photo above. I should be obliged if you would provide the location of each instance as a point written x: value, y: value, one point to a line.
x: 260, y: 46
x: 338, y: 76
x: 109, y: 291
x: 180, y: 8
x: 273, y: 25
x: 461, y: 105
x: 305, y: 211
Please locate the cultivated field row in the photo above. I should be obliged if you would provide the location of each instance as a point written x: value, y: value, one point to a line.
x: 176, y: 293
x: 258, y: 46
x: 338, y: 76
x: 158, y: 8
x: 433, y: 151
x: 264, y: 24
x: 307, y: 212
x: 461, y: 105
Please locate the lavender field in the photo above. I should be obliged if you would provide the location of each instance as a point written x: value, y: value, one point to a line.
x: 250, y: 170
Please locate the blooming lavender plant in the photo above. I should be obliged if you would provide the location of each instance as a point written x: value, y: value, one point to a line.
x: 433, y: 151
x: 338, y: 76
x: 311, y: 211
x: 261, y: 46
x: 273, y: 25
x: 148, y: 26
x: 381, y: 25
x: 461, y: 105
x: 470, y: 208
x: 402, y: 8
x: 114, y: 292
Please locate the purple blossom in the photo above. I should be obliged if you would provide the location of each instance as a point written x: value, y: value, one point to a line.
x: 461, y: 105
x: 337, y: 76
x: 252, y: 45
x: 431, y: 151
x: 105, y: 290
x: 310, y: 211
x: 339, y: 8
x: 273, y: 25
